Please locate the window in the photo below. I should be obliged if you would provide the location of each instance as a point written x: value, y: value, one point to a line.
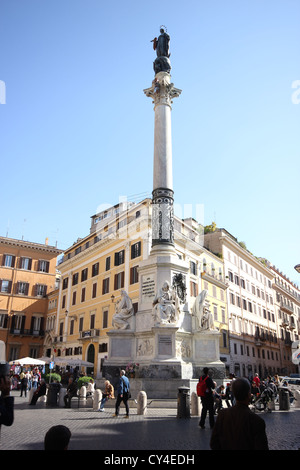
x: 107, y: 264
x: 25, y: 263
x: 193, y: 268
x: 105, y: 319
x: 80, y: 324
x: 63, y: 304
x: 105, y: 286
x: 65, y: 283
x: 8, y: 261
x: 135, y: 250
x: 94, y: 290
x: 95, y: 269
x: 75, y: 279
x: 40, y: 290
x: 43, y: 266
x: 194, y: 289
x: 92, y: 321
x: 119, y: 258
x: 119, y: 281
x: 74, y: 298
x: 84, y: 274
x: 83, y: 294
x: 5, y: 286
x: 134, y: 275
x: 77, y: 250
x: 22, y: 288
x: 71, y: 327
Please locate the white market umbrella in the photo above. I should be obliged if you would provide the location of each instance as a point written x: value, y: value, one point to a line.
x: 46, y: 359
x: 28, y: 361
x: 73, y: 362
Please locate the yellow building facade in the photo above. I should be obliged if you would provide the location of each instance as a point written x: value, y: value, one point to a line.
x: 27, y: 275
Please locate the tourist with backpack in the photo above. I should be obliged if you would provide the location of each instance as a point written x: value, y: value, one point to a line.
x: 205, y: 388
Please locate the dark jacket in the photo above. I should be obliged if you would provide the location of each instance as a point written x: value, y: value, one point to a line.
x: 123, y: 386
x: 210, y: 385
x: 238, y: 428
x: 7, y: 411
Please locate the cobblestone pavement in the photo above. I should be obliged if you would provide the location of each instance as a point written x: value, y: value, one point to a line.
x: 159, y: 429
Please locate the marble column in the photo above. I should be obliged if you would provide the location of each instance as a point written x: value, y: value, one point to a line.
x: 162, y: 92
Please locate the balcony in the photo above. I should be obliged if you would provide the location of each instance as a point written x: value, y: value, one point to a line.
x: 286, y: 307
x: 88, y: 334
x: 26, y: 332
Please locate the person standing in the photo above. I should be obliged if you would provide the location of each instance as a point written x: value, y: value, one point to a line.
x: 238, y: 428
x: 24, y: 384
x: 207, y: 400
x: 123, y: 393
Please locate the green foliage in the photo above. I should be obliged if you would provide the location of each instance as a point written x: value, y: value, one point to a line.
x: 54, y: 376
x: 210, y: 228
x: 84, y: 380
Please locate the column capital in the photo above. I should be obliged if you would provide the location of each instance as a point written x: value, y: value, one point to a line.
x: 162, y: 90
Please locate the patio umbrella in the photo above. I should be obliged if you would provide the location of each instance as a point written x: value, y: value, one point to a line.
x: 46, y: 359
x: 74, y: 362
x: 27, y: 361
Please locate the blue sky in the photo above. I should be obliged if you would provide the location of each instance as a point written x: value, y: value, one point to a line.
x: 76, y: 130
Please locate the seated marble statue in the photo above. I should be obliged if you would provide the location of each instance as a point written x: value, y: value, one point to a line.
x: 165, y: 306
x: 207, y: 322
x: 124, y: 311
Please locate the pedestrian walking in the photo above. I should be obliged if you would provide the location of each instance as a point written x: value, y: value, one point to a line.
x: 123, y: 393
x: 238, y: 428
x: 205, y: 389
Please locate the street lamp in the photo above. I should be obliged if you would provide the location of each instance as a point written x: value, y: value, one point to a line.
x: 297, y: 267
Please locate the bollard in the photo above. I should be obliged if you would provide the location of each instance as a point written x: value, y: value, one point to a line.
x: 30, y: 394
x: 97, y: 399
x: 284, y: 399
x: 183, y: 403
x: 297, y: 398
x: 52, y: 394
x: 195, y: 405
x: 61, y: 395
x: 82, y: 396
x: 141, y: 403
x: 271, y: 405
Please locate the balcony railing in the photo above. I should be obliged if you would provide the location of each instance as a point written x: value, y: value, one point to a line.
x: 26, y: 332
x: 89, y: 334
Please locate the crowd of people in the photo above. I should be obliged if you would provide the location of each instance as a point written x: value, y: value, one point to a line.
x: 268, y: 388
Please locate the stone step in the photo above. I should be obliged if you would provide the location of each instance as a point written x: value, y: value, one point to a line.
x: 151, y: 403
